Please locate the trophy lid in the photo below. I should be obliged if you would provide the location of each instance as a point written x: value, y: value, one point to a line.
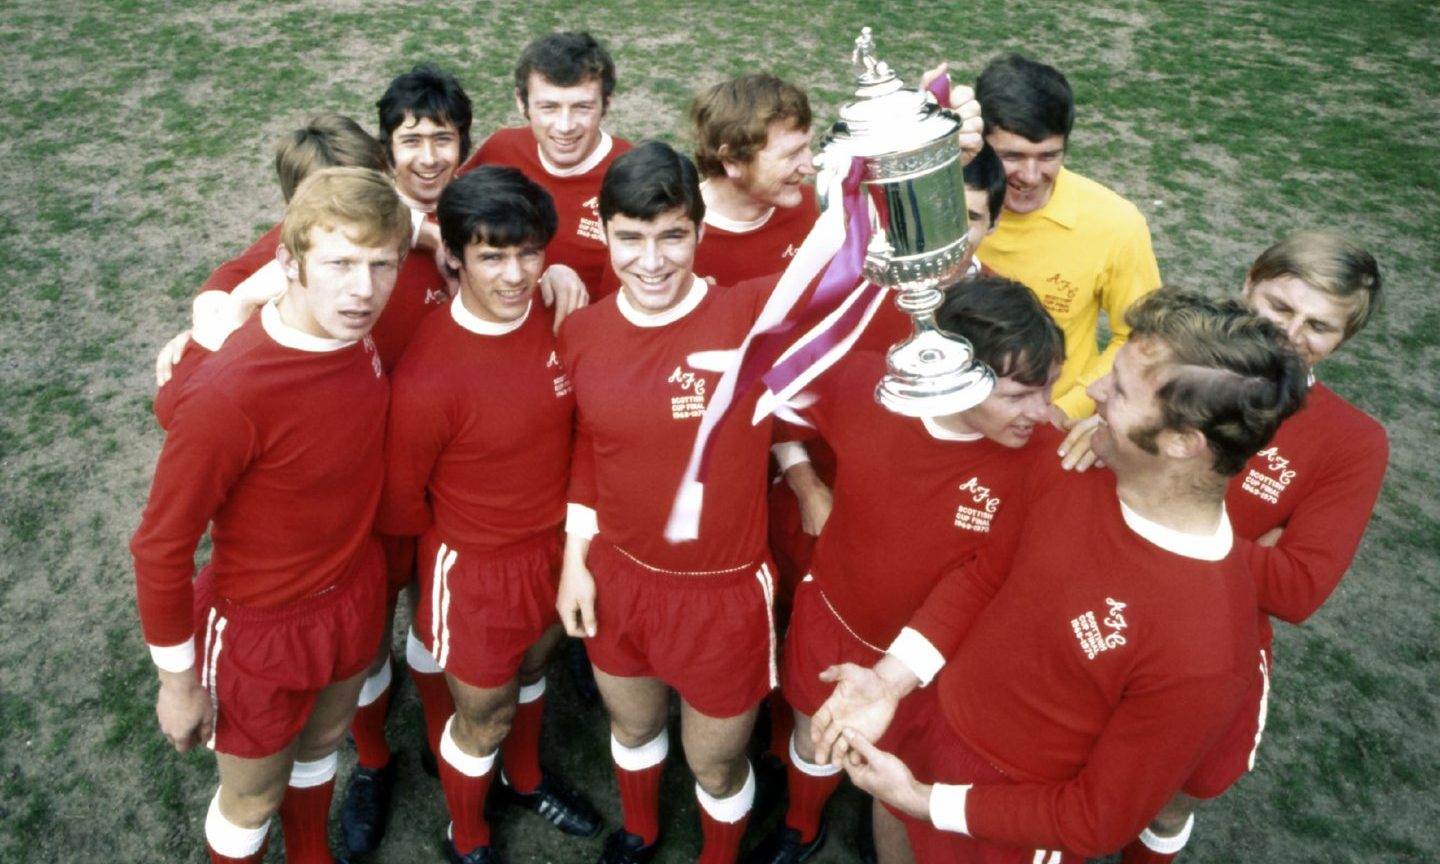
x: 886, y: 118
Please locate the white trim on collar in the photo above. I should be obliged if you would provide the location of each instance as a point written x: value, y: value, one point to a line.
x: 1202, y: 547
x: 940, y: 433
x: 602, y: 150
x: 289, y: 337
x: 475, y: 324
x: 698, y: 289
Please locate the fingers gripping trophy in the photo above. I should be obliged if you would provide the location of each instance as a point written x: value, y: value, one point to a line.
x: 914, y: 180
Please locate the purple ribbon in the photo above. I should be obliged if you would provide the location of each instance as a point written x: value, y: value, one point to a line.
x: 941, y: 88
x: 842, y: 275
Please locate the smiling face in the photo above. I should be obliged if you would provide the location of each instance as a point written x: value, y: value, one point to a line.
x: 426, y: 155
x: 1009, y: 415
x: 340, y: 288
x: 653, y: 258
x: 1313, y: 320
x: 497, y: 282
x: 1127, y: 403
x: 1030, y: 168
x: 564, y: 120
x: 774, y: 176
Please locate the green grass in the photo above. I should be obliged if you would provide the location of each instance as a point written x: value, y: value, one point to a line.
x: 138, y: 136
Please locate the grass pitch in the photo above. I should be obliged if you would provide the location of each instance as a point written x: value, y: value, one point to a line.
x: 136, y: 147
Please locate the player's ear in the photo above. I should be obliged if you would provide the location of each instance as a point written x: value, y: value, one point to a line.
x: 1181, y: 444
x: 520, y: 105
x: 734, y: 170
x: 455, y: 264
x: 289, y: 264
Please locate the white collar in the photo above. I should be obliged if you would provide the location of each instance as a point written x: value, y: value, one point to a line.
x: 1203, y: 547
x: 940, y: 433
x: 475, y: 324
x: 698, y: 289
x: 602, y: 149
x: 289, y: 337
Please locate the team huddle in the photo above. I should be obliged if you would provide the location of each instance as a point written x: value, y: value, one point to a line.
x: 1037, y: 630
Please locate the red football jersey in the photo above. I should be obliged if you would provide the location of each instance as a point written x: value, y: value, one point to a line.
x: 639, y: 402
x: 579, y: 242
x: 277, y: 440
x: 480, y: 427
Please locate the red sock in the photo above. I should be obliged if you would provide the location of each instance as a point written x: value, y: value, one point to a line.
x: 640, y: 784
x: 723, y: 821
x: 466, y: 781
x: 368, y: 727
x: 435, y: 703
x: 1139, y: 853
x: 809, y: 792
x: 520, y: 752
x: 782, y: 723
x: 305, y: 822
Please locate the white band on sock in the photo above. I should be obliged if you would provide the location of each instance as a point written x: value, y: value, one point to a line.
x: 304, y: 775
x: 376, y: 685
x: 647, y: 755
x: 419, y: 657
x: 531, y: 692
x: 1168, y: 845
x: 230, y: 839
x: 809, y: 768
x: 736, y: 807
x: 470, y: 766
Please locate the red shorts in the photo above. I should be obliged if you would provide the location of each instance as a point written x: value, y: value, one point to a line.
x: 790, y: 546
x: 1233, y: 754
x: 480, y: 612
x: 817, y: 639
x: 399, y: 562
x: 264, y: 667
x: 710, y: 636
x: 924, y: 741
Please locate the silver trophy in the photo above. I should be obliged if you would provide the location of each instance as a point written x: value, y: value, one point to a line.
x: 915, y: 185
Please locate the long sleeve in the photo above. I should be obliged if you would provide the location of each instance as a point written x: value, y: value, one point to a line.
x: 417, y: 433
x: 1144, y: 754
x: 1130, y: 274
x: 1297, y: 575
x: 209, y: 444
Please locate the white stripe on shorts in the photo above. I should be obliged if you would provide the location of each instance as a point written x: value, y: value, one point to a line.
x: 1046, y: 856
x: 767, y: 587
x: 216, y: 625
x: 440, y: 605
x: 1264, y: 708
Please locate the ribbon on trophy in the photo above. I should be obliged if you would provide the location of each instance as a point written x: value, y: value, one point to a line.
x: 832, y: 317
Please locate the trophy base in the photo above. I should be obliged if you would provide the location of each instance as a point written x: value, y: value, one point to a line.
x: 932, y: 375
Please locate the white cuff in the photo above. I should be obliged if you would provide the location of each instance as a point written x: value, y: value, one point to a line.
x: 581, y: 521
x: 214, y: 318
x: 789, y: 454
x: 947, y: 807
x: 174, y: 658
x: 918, y: 655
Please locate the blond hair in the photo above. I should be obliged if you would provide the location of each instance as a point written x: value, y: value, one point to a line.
x: 731, y: 120
x: 361, y: 201
x: 1330, y: 263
